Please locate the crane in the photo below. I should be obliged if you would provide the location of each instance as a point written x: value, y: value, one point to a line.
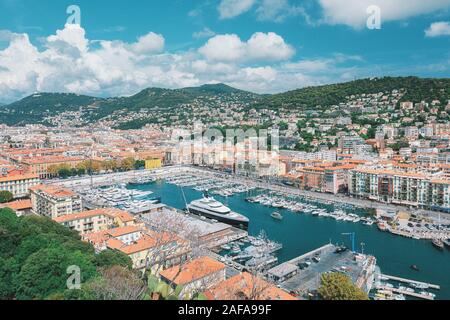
x: 353, y: 238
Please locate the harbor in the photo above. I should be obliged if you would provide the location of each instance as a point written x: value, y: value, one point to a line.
x: 396, y: 288
x: 301, y: 233
x: 307, y: 223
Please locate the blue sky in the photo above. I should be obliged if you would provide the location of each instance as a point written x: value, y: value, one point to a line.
x: 269, y: 46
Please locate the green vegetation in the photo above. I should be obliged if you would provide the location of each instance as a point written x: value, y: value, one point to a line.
x: 324, y: 96
x: 35, y: 254
x: 399, y: 145
x: 5, y: 196
x: 35, y: 108
x: 338, y: 286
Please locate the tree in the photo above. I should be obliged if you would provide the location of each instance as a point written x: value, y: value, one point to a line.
x: 113, y: 258
x: 338, y: 286
x: 6, y: 196
x: 127, y: 164
x: 45, y: 272
x: 116, y: 283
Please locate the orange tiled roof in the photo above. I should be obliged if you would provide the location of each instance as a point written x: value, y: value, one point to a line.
x: 243, y: 285
x: 17, y: 205
x: 55, y: 191
x: 195, y: 270
x: 110, y: 212
x: 18, y: 177
x: 51, y: 159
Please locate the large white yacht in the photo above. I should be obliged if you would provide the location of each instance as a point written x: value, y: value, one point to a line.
x: 212, y: 209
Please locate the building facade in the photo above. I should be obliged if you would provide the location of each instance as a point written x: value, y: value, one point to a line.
x: 54, y: 202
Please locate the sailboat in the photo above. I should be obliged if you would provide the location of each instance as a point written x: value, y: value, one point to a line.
x: 438, y: 243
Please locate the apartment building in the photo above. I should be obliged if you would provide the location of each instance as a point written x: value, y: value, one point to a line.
x: 397, y: 187
x: 18, y: 182
x: 41, y: 165
x: 96, y: 220
x: 349, y: 144
x: 53, y: 201
x: 146, y: 249
x: 326, y: 178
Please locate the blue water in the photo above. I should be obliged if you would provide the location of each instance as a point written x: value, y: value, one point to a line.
x: 301, y: 233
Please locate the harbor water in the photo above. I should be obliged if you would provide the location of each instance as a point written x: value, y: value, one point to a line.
x: 301, y: 233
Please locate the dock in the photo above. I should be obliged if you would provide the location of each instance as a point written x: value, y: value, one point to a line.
x: 407, y: 293
x: 429, y: 285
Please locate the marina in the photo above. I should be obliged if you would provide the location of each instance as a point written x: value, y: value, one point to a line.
x: 391, y: 288
x: 302, y: 232
x: 308, y: 222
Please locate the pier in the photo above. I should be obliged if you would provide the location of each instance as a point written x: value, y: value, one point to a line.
x: 407, y: 293
x: 408, y: 281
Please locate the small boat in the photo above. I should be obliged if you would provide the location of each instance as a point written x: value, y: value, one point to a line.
x: 236, y: 250
x: 422, y: 286
x: 415, y: 268
x: 447, y: 243
x: 428, y: 294
x: 225, y: 247
x: 399, y: 297
x: 277, y: 216
x: 439, y: 244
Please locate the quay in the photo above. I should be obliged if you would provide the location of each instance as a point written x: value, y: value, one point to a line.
x: 408, y: 281
x: 407, y: 293
x: 302, y: 276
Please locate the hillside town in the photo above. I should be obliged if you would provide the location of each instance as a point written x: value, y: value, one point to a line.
x: 377, y: 154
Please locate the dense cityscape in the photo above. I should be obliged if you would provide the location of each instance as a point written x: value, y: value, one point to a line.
x: 208, y: 192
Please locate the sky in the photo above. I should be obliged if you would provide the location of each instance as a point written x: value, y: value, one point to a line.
x: 117, y: 48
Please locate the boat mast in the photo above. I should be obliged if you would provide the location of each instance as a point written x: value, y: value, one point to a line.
x: 184, y: 199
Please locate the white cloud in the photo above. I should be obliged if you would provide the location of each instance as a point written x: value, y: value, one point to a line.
x: 233, y: 8
x: 260, y: 47
x: 227, y: 47
x: 69, y: 62
x: 437, y: 29
x: 279, y: 10
x: 204, y: 33
x: 353, y: 13
x: 148, y: 44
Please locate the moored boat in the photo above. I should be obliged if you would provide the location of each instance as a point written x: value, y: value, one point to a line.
x: 438, y: 244
x: 277, y: 216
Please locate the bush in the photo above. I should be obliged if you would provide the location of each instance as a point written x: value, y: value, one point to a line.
x: 338, y: 286
x: 6, y: 196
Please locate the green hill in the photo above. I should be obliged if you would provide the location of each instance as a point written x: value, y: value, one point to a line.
x: 323, y: 96
x: 35, y: 108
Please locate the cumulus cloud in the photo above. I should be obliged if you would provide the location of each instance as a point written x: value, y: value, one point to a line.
x: 260, y: 47
x: 354, y: 12
x: 437, y: 29
x: 233, y: 8
x: 69, y: 62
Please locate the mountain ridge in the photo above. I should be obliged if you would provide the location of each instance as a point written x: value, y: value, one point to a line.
x: 38, y: 106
